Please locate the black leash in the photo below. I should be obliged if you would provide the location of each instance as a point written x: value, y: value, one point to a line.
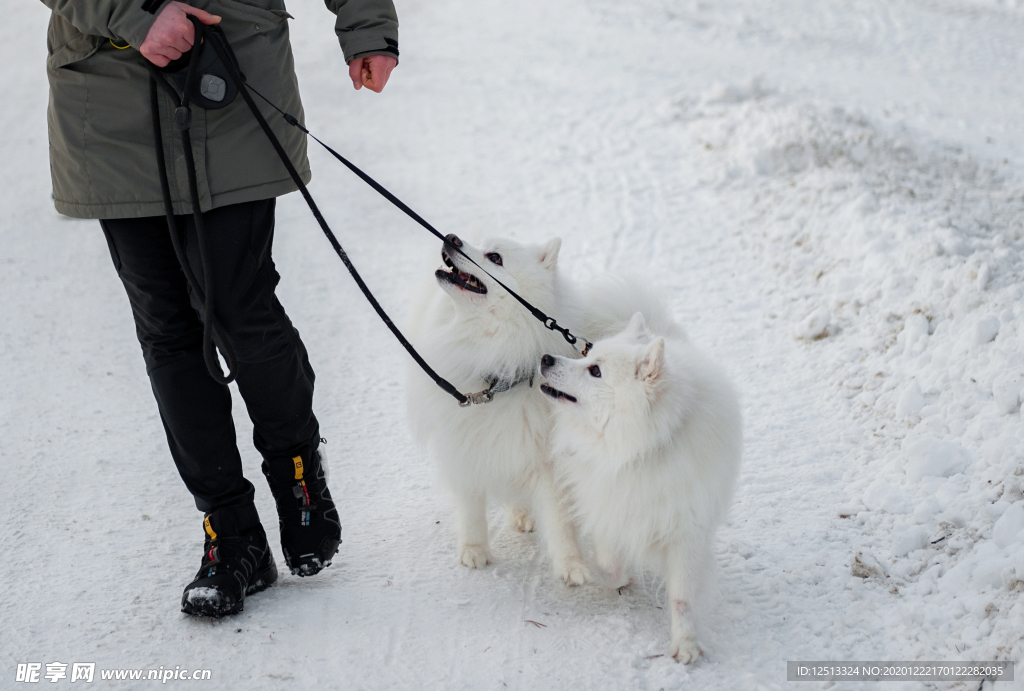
x: 183, y: 117
x: 549, y: 322
x: 183, y: 120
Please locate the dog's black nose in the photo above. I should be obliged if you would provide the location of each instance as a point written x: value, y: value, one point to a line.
x: 454, y: 239
x: 547, y: 361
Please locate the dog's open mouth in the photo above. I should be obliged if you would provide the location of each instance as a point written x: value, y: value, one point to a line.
x: 463, y: 280
x: 556, y: 394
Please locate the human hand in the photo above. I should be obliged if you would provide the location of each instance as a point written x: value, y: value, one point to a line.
x: 371, y: 71
x: 172, y: 34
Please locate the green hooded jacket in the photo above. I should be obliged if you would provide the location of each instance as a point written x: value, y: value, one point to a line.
x: 102, y: 151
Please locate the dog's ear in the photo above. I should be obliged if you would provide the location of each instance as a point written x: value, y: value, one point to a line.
x: 549, y: 253
x: 652, y: 362
x: 638, y: 327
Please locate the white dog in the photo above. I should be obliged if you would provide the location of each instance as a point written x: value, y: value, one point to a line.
x: 648, y: 438
x: 476, y: 335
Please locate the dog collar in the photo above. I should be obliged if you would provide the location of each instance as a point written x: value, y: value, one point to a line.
x: 496, y: 386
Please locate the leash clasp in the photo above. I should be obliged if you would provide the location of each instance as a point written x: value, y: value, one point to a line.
x: 481, y: 397
x: 478, y: 398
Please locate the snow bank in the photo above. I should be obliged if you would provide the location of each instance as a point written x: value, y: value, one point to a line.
x: 903, y: 257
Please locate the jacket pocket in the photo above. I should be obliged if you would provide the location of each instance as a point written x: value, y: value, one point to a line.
x: 66, y: 45
x: 269, y: 5
x: 272, y: 11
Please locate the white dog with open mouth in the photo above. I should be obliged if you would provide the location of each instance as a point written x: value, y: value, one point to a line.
x: 648, y: 439
x: 476, y: 335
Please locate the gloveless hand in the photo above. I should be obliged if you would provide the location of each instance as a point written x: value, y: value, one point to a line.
x: 371, y: 71
x: 172, y: 34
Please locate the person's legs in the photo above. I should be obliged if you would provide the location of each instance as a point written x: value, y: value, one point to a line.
x: 273, y: 375
x: 273, y: 372
x: 195, y: 410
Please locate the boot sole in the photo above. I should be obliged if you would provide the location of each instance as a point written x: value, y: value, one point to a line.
x: 264, y: 580
x: 312, y: 568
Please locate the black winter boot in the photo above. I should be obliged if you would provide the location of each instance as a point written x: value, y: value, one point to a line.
x: 310, y: 529
x: 237, y: 562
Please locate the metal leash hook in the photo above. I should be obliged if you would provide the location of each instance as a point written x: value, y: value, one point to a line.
x: 479, y: 398
x: 487, y: 395
x: 552, y: 325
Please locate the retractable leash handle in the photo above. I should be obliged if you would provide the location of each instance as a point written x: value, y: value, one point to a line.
x: 205, y: 292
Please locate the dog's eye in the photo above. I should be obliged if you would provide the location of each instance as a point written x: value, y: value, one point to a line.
x: 495, y: 257
x: 594, y: 370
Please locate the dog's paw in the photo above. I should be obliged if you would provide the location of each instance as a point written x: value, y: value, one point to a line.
x: 521, y: 520
x: 616, y: 579
x: 474, y: 556
x: 573, y: 571
x: 685, y: 650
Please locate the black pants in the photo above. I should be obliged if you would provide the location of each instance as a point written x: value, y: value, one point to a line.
x: 273, y: 372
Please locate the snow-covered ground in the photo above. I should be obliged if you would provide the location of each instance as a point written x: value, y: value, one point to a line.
x: 829, y: 193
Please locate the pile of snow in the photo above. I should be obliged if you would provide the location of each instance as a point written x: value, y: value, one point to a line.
x: 904, y: 258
